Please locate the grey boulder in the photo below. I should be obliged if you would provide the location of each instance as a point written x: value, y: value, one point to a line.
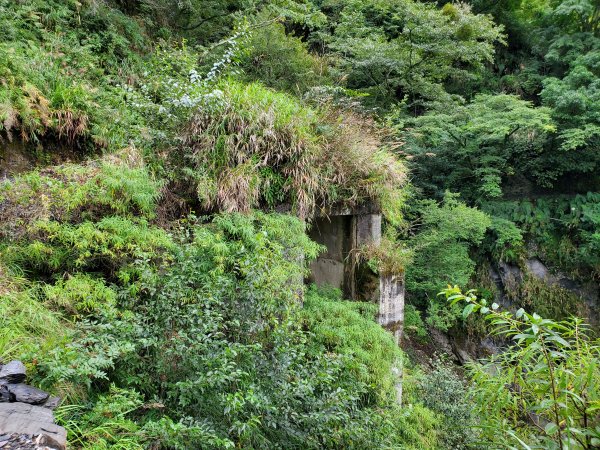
x: 23, y: 421
x: 13, y: 372
x: 27, y: 394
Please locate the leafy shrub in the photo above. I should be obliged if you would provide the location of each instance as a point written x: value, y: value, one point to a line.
x: 349, y: 328
x: 106, y: 424
x: 27, y: 326
x: 446, y: 394
x: 214, y: 346
x: 80, y: 294
x: 507, y: 242
x: 72, y: 193
x: 542, y: 390
x: 413, y: 322
x: 551, y: 300
x: 282, y: 61
x: 388, y: 257
x: 92, y: 354
x: 441, y: 253
x: 468, y: 148
x: 108, y: 245
x: 562, y: 226
x: 375, y: 48
x: 59, y: 102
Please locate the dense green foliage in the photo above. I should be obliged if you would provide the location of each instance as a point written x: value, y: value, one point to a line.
x: 541, y: 391
x: 444, y: 236
x: 469, y: 148
x: 209, y: 344
x: 445, y: 393
x: 148, y: 273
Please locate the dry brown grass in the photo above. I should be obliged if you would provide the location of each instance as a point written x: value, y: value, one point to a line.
x: 358, y: 160
x: 234, y: 148
x: 69, y: 125
x: 324, y: 157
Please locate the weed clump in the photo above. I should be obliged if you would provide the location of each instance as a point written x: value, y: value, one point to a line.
x: 254, y: 147
x: 116, y: 184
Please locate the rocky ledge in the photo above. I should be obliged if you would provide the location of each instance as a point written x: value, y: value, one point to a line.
x: 26, y: 417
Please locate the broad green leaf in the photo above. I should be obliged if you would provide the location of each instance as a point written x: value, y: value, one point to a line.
x: 468, y: 310
x: 551, y: 428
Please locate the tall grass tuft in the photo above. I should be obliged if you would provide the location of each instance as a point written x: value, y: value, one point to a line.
x: 26, y: 324
x: 255, y: 147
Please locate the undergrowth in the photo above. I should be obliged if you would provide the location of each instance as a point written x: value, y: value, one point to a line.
x: 349, y: 328
x: 167, y: 330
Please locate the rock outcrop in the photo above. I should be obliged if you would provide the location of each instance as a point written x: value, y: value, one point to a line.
x: 26, y: 417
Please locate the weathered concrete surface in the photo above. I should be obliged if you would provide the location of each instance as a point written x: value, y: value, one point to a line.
x: 342, y: 235
x: 29, y: 420
x: 398, y: 374
x: 364, y: 283
x: 327, y: 272
x: 368, y: 229
x: 337, y: 266
x: 330, y: 267
x: 391, y: 304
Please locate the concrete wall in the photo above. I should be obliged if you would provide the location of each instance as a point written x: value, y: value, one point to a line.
x: 331, y: 267
x: 368, y: 228
x: 337, y: 266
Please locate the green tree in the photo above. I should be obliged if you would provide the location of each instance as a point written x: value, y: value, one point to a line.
x: 471, y: 148
x: 402, y: 50
x: 441, y: 247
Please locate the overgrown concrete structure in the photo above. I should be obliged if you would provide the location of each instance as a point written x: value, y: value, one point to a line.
x: 343, y: 231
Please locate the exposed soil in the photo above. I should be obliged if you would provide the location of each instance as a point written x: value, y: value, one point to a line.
x: 17, y: 156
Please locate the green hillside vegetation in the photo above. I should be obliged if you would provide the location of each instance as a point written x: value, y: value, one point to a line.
x: 152, y: 256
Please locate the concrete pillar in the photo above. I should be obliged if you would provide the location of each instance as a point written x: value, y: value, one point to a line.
x: 391, y: 303
x: 338, y: 266
x: 391, y: 316
x: 398, y: 373
x: 363, y: 283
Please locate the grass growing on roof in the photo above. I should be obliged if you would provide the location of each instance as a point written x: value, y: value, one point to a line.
x: 314, y: 157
